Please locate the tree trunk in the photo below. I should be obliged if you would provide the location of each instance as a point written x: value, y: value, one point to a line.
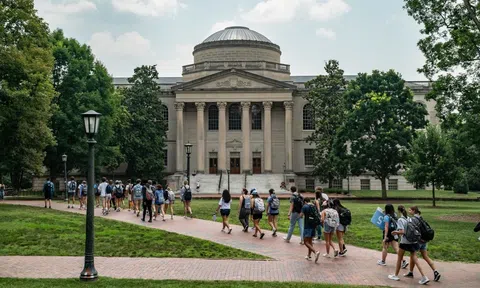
x: 383, y: 180
x: 330, y: 182
x: 433, y: 193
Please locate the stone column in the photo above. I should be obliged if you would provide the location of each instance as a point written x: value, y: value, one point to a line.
x: 222, y: 136
x: 200, y: 136
x: 267, y: 137
x: 288, y: 136
x: 180, y: 149
x: 246, y: 136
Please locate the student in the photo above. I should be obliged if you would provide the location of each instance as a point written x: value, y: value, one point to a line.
x: 341, y: 228
x: 244, y: 209
x: 103, y: 194
x: 96, y: 191
x: 118, y: 191
x: 71, y: 188
x: 273, y: 206
x: 2, y: 191
x: 137, y: 197
x: 108, y: 195
x: 224, y: 207
x: 159, y: 202
x: 186, y: 196
x: 311, y: 220
x: 82, y: 195
x: 258, y: 207
x: 48, y: 190
x: 128, y: 194
x: 113, y: 198
x: 330, y: 220
x: 423, y: 250
x: 406, y: 245
x: 319, y: 199
x: 296, y: 204
x: 171, y: 199
x: 388, y: 238
x: 147, y: 195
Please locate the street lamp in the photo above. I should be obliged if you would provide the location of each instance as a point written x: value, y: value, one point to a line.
x: 64, y: 159
x: 91, y: 120
x: 228, y: 177
x: 188, y: 150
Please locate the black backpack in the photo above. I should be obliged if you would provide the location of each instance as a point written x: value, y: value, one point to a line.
x: 187, y: 196
x: 313, y: 217
x: 297, y: 203
x: 345, y: 216
x: 425, y: 230
x: 412, y: 231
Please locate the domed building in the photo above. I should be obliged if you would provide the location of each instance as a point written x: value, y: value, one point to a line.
x: 243, y: 112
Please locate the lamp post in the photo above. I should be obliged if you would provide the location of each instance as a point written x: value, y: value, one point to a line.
x: 228, y: 179
x: 91, y: 120
x: 64, y: 159
x: 188, y: 150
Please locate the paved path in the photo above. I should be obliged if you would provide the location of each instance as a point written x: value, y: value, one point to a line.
x: 288, y: 264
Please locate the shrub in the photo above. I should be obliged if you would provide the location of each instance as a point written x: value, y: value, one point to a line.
x: 474, y: 179
x: 460, y: 186
x: 335, y: 190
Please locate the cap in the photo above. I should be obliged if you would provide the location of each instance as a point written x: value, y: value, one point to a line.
x: 254, y: 191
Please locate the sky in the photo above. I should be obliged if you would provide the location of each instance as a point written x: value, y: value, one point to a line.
x: 362, y: 35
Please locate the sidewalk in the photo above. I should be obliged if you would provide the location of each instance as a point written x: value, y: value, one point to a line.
x: 359, y: 267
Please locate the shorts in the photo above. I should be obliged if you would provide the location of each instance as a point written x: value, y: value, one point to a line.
x: 422, y: 246
x: 119, y: 195
x: 137, y: 198
x: 225, y: 212
x: 159, y: 203
x: 257, y: 216
x: 308, y: 233
x: 390, y: 237
x: 341, y: 228
x: 273, y: 212
x: 71, y: 194
x: 108, y: 197
x: 328, y: 229
x: 48, y: 196
x: 167, y: 202
x: 410, y: 247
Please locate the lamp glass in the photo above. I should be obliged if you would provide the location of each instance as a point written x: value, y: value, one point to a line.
x: 91, y: 120
x: 188, y: 148
x: 64, y: 158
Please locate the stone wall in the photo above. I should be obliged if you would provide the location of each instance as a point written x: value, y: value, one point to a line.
x: 236, y: 54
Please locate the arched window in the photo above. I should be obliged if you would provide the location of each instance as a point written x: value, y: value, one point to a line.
x: 213, y: 117
x: 256, y: 117
x: 308, y: 119
x: 234, y: 117
x: 164, y: 109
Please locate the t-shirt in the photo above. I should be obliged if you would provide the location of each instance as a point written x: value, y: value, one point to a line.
x: 402, y: 225
x: 386, y: 219
x: 159, y: 197
x: 72, y: 185
x: 269, y: 201
x: 306, y: 211
x: 103, y: 188
x: 224, y: 205
x: 292, y: 200
x: 82, y: 189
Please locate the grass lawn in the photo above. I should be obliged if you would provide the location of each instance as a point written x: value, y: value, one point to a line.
x: 427, y: 194
x: 36, y: 231
x: 454, y: 239
x: 119, y: 283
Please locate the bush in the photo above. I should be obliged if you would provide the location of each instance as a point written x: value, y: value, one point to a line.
x: 474, y: 179
x: 460, y: 186
x: 335, y: 190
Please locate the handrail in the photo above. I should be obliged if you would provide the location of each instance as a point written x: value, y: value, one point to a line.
x: 245, y: 181
x: 220, y: 182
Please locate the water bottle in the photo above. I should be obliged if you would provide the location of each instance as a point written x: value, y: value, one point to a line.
x: 214, y: 217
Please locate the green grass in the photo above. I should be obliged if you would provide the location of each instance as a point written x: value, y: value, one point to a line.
x: 454, y: 241
x: 36, y: 231
x: 427, y: 194
x: 119, y: 283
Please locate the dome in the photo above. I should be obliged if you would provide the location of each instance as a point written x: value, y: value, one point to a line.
x: 236, y: 33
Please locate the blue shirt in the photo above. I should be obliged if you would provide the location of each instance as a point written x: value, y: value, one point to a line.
x: 306, y: 211
x: 159, y: 198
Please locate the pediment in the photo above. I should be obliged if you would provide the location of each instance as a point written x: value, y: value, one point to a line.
x: 233, y: 79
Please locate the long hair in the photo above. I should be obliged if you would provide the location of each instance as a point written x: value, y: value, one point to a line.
x: 337, y: 205
x: 389, y: 210
x: 245, y: 191
x: 226, y: 196
x: 318, y: 195
x: 402, y: 210
x: 415, y: 210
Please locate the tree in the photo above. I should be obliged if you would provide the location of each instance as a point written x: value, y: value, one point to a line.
x: 380, y: 126
x: 25, y: 90
x: 143, y: 134
x: 431, y: 160
x: 82, y: 84
x: 326, y: 96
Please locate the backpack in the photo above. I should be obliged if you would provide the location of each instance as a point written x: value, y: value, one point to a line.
x: 331, y: 217
x: 297, y: 203
x: 259, y: 206
x: 313, y: 217
x: 412, y: 232
x: 246, y: 202
x: 425, y: 230
x: 275, y: 203
x: 345, y: 216
x: 72, y: 186
x: 171, y: 196
x: 138, y: 191
x: 392, y: 226
x: 165, y: 194
x: 49, y: 187
x: 148, y: 193
x: 187, y: 195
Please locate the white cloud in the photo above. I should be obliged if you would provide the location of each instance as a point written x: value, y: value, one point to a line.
x: 148, y: 7
x: 57, y: 14
x: 173, y: 65
x: 326, y: 33
x: 327, y: 10
x: 221, y: 25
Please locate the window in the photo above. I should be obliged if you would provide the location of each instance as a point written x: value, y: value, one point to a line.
x: 164, y: 113
x: 256, y: 117
x: 213, y: 117
x: 337, y: 184
x: 310, y: 184
x: 364, y: 184
x: 308, y: 119
x: 165, y: 158
x: 308, y: 155
x: 392, y: 184
x: 234, y: 117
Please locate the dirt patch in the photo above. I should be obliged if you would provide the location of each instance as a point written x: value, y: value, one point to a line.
x: 460, y: 218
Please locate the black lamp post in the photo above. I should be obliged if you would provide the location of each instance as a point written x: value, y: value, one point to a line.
x: 91, y: 120
x: 188, y: 150
x: 64, y: 159
x: 228, y: 179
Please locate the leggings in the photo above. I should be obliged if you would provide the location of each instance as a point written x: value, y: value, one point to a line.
x: 147, y: 204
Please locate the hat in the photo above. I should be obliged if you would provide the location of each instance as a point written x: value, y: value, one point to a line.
x: 254, y: 191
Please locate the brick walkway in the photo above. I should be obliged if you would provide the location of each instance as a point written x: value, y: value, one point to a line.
x: 359, y: 267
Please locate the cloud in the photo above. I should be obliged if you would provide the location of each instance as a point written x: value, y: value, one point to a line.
x: 148, y: 7
x: 328, y: 10
x: 173, y: 65
x: 58, y: 14
x: 326, y: 33
x: 221, y: 25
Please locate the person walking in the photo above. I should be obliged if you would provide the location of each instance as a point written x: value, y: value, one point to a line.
x: 296, y: 204
x: 71, y: 188
x: 103, y: 194
x: 2, y: 191
x: 129, y: 194
x: 330, y: 220
x: 159, y: 202
x: 311, y: 220
x: 169, y: 201
x: 320, y: 197
x: 108, y: 196
x: 147, y: 195
x: 345, y: 218
x: 389, y: 239
x: 96, y: 191
x: 224, y: 207
x: 48, y: 190
x: 82, y: 195
x: 186, y: 196
x: 258, y: 207
x: 118, y: 191
x: 273, y: 209
x: 244, y: 209
x: 137, y: 197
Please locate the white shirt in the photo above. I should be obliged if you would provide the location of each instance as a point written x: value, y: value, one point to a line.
x: 224, y: 205
x: 103, y: 188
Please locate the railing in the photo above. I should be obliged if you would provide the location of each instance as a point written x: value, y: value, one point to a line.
x: 245, y: 181
x: 248, y: 65
x: 220, y: 182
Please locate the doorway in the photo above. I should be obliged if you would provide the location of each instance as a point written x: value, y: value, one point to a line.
x: 235, y: 165
x: 213, y: 163
x: 257, y: 165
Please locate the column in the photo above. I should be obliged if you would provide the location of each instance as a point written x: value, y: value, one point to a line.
x: 267, y: 137
x: 200, y: 136
x: 246, y: 136
x: 288, y: 136
x: 222, y: 136
x: 180, y: 149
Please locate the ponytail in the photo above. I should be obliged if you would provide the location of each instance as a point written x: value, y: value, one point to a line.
x: 402, y: 210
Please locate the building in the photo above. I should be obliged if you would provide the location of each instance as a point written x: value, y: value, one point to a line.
x: 242, y: 111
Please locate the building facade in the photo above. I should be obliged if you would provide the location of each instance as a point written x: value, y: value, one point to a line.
x: 240, y: 108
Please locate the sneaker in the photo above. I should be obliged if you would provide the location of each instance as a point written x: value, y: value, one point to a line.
x: 274, y: 233
x: 308, y: 258
x: 150, y: 221
x: 50, y: 207
x: 341, y: 254
x: 68, y: 207
x: 261, y: 235
x: 424, y: 280
x: 404, y: 264
x: 408, y: 275
x: 317, y: 254
x: 381, y: 263
x: 230, y: 231
x: 326, y: 255
x: 393, y: 277
x: 301, y: 243
x: 335, y: 253
x: 286, y: 239
x: 436, y: 276
x: 344, y: 251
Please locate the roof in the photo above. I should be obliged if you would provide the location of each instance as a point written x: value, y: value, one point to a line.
x: 236, y: 33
